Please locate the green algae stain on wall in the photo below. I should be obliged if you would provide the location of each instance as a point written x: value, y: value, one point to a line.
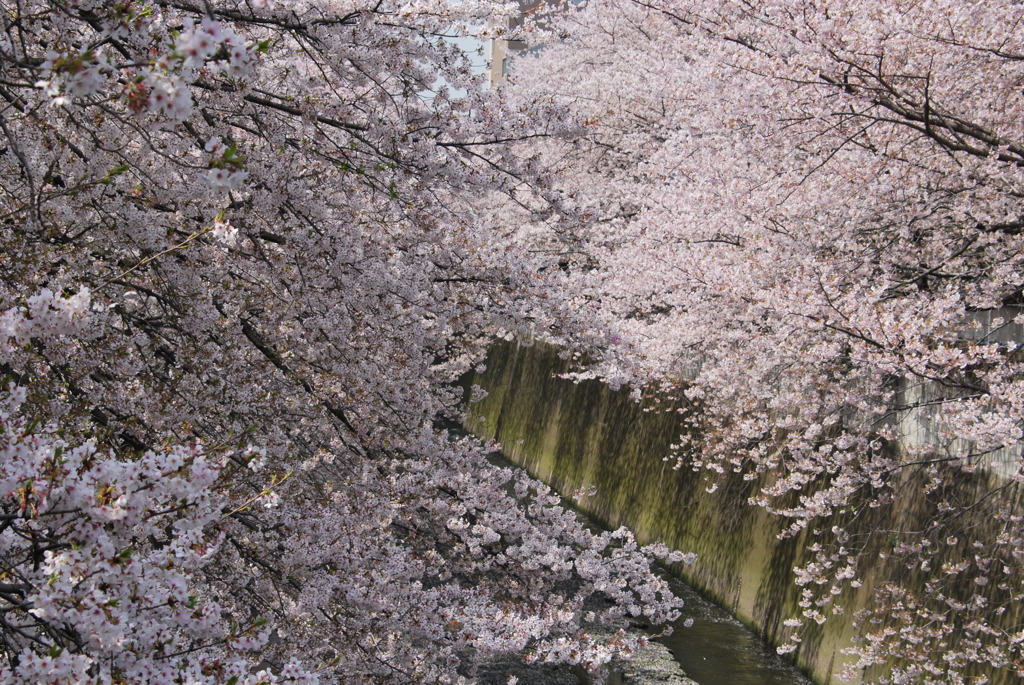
x: 578, y: 436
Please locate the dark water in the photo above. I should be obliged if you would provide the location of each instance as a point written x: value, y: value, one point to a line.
x: 719, y: 650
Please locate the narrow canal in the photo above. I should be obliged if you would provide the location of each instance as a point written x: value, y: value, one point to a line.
x: 719, y: 650
x: 708, y: 642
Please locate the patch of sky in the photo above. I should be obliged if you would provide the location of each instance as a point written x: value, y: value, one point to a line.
x: 476, y: 51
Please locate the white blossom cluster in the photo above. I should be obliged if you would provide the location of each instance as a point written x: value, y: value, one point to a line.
x: 248, y: 248
x: 800, y: 227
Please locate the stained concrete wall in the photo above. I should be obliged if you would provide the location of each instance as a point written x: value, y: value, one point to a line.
x: 574, y: 436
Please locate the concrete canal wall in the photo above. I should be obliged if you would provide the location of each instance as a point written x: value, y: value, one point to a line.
x: 580, y: 437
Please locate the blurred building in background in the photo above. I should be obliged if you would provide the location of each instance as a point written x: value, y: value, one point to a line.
x: 501, y: 49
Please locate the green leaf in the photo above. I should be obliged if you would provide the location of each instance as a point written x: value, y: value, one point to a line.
x: 113, y: 173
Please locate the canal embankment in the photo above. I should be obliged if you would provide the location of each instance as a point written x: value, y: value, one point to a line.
x: 604, y: 452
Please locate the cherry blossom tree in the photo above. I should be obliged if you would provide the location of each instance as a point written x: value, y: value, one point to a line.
x: 805, y: 210
x: 248, y: 246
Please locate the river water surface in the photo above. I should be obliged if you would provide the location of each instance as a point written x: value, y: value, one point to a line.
x: 719, y: 650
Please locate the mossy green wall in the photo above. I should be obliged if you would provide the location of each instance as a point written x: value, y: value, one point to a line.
x: 574, y: 436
